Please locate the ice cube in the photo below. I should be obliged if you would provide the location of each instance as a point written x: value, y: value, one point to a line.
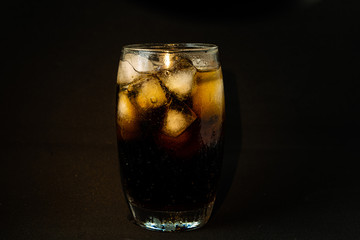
x: 209, y: 104
x: 150, y: 94
x: 208, y: 97
x: 140, y: 63
x: 127, y: 118
x: 179, y: 79
x: 204, y: 61
x: 132, y: 67
x: 177, y: 120
x: 126, y: 73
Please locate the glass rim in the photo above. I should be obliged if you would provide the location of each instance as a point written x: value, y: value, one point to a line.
x: 171, y: 47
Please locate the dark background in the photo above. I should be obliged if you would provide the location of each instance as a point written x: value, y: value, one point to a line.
x: 291, y: 74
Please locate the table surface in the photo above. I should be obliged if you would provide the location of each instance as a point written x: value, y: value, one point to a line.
x: 292, y: 131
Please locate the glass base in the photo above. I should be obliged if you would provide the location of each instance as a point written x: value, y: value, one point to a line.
x: 171, y: 221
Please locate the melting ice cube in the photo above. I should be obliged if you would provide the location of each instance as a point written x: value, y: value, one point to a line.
x: 179, y: 79
x: 132, y: 67
x: 150, y: 94
x: 204, y: 61
x: 139, y: 63
x: 208, y: 98
x: 127, y: 119
x: 126, y: 73
x: 177, y: 120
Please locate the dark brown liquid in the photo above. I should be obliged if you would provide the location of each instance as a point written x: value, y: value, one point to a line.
x: 160, y: 173
x: 166, y: 165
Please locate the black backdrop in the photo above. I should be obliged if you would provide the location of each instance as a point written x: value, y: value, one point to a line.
x: 292, y: 101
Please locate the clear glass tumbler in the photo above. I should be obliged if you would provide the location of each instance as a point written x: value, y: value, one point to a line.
x: 170, y: 115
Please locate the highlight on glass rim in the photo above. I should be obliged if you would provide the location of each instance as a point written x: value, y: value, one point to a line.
x: 170, y: 112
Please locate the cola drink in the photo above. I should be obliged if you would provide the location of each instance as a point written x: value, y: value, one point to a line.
x: 169, y: 124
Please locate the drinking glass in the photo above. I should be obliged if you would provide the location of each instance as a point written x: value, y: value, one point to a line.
x: 169, y: 121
